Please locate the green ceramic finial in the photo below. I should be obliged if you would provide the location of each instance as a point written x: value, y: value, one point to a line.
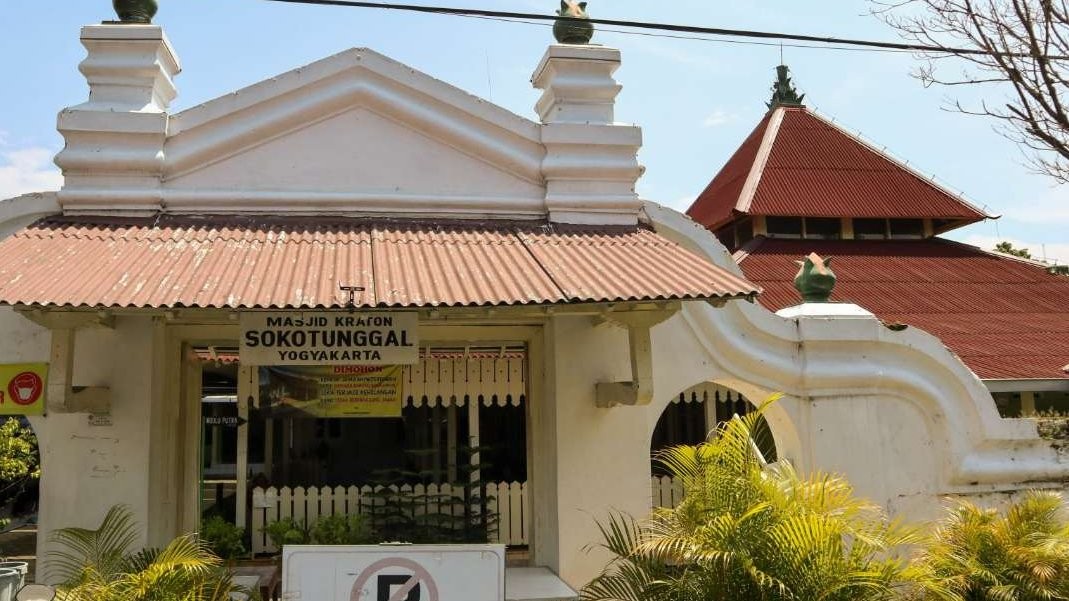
x: 815, y: 279
x: 135, y: 11
x: 783, y: 91
x: 573, y: 32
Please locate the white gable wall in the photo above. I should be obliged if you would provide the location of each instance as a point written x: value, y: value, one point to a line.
x: 359, y: 161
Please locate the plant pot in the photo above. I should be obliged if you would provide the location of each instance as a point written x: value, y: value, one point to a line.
x: 573, y: 32
x: 135, y: 11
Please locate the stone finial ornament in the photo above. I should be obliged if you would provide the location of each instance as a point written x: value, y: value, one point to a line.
x: 573, y: 32
x: 135, y: 11
x: 783, y: 91
x: 815, y: 279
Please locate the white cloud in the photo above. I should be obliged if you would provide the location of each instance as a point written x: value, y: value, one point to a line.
x: 719, y: 117
x: 1054, y: 251
x: 28, y: 170
x: 1048, y: 209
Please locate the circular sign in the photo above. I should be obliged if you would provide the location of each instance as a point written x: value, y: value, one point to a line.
x: 25, y: 388
x: 381, y: 582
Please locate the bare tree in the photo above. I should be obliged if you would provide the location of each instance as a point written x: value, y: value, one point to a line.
x: 1019, y: 46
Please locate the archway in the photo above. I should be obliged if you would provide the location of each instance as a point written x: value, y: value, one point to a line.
x: 20, y: 470
x: 689, y: 419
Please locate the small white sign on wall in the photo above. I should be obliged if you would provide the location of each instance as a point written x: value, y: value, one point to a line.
x: 329, y: 338
x: 394, y: 573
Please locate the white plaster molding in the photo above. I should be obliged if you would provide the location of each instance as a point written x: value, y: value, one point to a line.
x: 577, y: 84
x: 359, y: 77
x: 856, y: 357
x: 829, y: 310
x: 28, y: 206
x: 591, y: 165
x: 116, y: 138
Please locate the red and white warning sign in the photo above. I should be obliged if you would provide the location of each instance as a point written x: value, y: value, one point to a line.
x: 394, y: 573
x: 22, y: 389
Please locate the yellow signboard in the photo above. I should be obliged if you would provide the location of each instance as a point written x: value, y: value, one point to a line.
x: 339, y: 391
x: 22, y: 389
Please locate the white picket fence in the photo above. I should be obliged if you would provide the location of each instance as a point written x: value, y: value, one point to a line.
x: 667, y: 492
x: 509, y: 500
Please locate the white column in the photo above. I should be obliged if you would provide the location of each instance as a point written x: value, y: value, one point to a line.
x: 113, y: 157
x: 591, y: 165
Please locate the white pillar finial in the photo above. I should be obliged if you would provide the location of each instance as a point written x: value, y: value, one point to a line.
x: 113, y: 158
x: 591, y: 166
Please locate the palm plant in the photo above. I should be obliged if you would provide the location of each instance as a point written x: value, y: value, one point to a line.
x: 1019, y: 555
x: 100, y: 565
x: 745, y: 530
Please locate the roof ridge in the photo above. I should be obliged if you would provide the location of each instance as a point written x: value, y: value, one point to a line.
x: 757, y: 168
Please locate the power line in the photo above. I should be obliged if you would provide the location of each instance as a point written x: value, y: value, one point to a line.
x: 696, y: 38
x: 473, y: 12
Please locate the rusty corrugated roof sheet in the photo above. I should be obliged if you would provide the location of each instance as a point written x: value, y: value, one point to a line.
x: 1005, y: 318
x: 298, y: 262
x: 804, y: 166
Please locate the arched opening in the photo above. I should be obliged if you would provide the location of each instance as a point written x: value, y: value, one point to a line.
x: 689, y: 419
x: 20, y: 473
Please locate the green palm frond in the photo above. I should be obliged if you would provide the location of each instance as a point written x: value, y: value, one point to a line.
x: 99, y: 553
x: 98, y: 565
x: 748, y: 530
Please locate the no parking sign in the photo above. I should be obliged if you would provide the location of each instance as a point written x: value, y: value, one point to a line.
x: 394, y: 573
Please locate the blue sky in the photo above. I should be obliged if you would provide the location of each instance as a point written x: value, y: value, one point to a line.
x: 696, y: 100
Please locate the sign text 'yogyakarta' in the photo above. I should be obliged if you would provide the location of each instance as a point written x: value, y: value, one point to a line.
x: 329, y: 338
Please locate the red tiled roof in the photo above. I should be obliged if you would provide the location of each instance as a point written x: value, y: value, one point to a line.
x: 234, y: 262
x: 1005, y: 318
x: 801, y: 165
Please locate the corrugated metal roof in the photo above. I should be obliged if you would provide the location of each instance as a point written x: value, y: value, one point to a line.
x: 231, y: 262
x: 1006, y: 319
x: 816, y: 169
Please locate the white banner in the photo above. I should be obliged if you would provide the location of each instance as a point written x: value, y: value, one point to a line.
x: 399, y: 573
x: 329, y: 338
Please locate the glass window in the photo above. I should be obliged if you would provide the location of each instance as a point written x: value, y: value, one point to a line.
x: 870, y: 229
x: 907, y: 228
x: 823, y: 228
x: 783, y: 227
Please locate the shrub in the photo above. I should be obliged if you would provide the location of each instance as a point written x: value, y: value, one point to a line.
x: 1021, y: 554
x: 101, y: 565
x: 746, y: 530
x: 288, y: 531
x: 341, y: 530
x: 225, y: 539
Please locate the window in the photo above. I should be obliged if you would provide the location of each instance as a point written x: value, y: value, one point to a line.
x: 870, y: 229
x: 907, y: 228
x: 823, y: 228
x: 783, y: 227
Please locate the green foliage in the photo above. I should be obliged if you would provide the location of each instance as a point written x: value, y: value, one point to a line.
x: 288, y: 531
x: 20, y: 462
x: 225, y: 539
x: 1009, y: 249
x: 100, y: 565
x: 749, y: 531
x: 433, y: 514
x: 1021, y: 554
x: 342, y: 530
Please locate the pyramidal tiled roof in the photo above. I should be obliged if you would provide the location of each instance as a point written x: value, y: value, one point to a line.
x: 796, y: 163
